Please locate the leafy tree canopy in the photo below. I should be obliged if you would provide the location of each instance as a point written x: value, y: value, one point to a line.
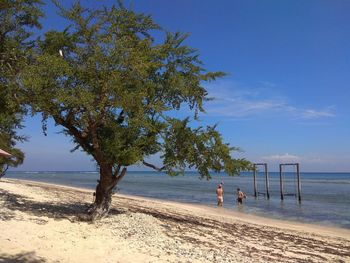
x: 114, y: 89
x: 16, y: 18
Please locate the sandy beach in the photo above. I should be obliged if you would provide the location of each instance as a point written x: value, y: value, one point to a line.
x: 40, y: 223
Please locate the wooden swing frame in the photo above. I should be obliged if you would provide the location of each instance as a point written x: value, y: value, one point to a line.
x: 256, y: 193
x: 298, y: 179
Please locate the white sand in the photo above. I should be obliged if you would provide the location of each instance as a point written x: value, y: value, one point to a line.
x: 38, y: 223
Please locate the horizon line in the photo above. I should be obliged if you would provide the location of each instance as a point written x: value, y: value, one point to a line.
x: 91, y: 171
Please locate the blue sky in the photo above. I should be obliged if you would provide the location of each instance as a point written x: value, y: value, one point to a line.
x: 285, y: 96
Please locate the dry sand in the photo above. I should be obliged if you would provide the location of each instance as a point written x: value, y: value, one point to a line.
x: 38, y: 223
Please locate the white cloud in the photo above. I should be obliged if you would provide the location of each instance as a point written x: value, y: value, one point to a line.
x: 313, y: 114
x: 233, y: 101
x: 308, y: 163
x: 282, y: 157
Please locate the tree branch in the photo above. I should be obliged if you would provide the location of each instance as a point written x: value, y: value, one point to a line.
x: 121, y: 175
x: 153, y: 166
x: 75, y: 133
x: 95, y: 143
x: 116, y: 171
x: 4, y: 171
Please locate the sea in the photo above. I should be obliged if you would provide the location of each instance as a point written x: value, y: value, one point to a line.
x: 325, y: 197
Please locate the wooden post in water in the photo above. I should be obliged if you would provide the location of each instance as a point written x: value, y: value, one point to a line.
x: 255, y: 188
x: 281, y: 182
x: 299, y: 185
x: 267, y: 186
x: 267, y: 181
x: 298, y: 178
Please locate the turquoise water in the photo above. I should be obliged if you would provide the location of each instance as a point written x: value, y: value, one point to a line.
x: 325, y: 196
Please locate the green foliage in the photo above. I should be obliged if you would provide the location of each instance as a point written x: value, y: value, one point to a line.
x: 10, y: 120
x: 16, y: 17
x: 112, y: 87
x: 200, y: 148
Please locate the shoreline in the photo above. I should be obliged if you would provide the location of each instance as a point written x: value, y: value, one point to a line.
x: 328, y: 229
x: 33, y: 214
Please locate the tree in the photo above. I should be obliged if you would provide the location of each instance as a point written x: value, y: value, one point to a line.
x: 16, y: 17
x: 114, y: 89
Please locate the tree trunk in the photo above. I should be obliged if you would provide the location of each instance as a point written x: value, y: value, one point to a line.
x: 3, y: 171
x: 103, y: 194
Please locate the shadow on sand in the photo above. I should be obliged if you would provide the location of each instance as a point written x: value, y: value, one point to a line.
x: 16, y: 202
x: 71, y: 209
x: 28, y: 257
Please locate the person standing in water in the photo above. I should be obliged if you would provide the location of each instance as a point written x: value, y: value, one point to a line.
x: 240, y: 196
x: 220, y: 194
